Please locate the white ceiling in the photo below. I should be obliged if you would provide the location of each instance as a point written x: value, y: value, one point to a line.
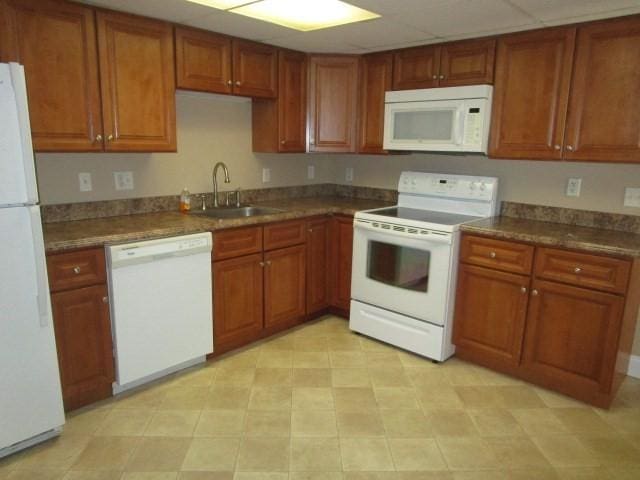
x: 403, y: 22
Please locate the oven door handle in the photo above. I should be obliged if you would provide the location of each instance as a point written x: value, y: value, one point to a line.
x: 430, y: 237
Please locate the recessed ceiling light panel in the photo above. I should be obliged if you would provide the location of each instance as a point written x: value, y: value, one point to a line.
x: 305, y: 15
x: 220, y: 4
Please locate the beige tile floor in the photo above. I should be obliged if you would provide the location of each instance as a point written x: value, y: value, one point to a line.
x: 321, y: 403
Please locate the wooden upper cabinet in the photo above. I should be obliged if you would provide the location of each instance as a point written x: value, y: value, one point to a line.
x: 533, y: 72
x: 255, y: 69
x: 467, y: 63
x: 375, y: 79
x: 603, y: 122
x: 137, y: 82
x: 333, y: 101
x: 203, y: 61
x: 280, y: 125
x: 56, y: 43
x: 416, y: 68
x: 571, y: 338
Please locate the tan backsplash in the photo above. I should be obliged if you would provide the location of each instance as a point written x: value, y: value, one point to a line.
x: 211, y: 128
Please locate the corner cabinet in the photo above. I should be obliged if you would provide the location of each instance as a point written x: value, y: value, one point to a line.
x: 56, y: 43
x: 564, y: 321
x: 82, y: 326
x: 280, y: 125
x: 333, y: 103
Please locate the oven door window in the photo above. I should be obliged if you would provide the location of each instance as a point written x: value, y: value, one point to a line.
x: 398, y: 266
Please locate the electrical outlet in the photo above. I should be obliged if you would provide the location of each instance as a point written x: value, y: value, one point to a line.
x: 311, y: 172
x: 348, y: 174
x: 84, y: 179
x: 266, y: 175
x: 573, y: 187
x: 632, y: 197
x: 123, y: 180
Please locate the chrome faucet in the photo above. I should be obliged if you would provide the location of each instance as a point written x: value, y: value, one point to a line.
x: 215, y: 181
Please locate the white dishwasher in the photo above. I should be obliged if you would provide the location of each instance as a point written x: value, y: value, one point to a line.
x: 160, y: 299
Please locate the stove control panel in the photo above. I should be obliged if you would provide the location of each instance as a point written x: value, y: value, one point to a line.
x: 462, y: 187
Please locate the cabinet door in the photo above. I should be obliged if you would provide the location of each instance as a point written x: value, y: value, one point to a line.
x: 341, y: 253
x: 376, y: 78
x: 284, y: 287
x: 333, y: 101
x: 203, y: 61
x: 56, y: 43
x: 238, y: 301
x: 83, y: 339
x: 488, y: 330
x: 571, y: 338
x: 603, y: 122
x: 532, y: 77
x: 416, y: 68
x: 137, y: 82
x: 255, y: 69
x: 292, y: 102
x: 467, y: 63
x: 317, y: 265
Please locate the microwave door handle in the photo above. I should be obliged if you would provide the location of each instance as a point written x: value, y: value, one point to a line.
x: 459, y: 122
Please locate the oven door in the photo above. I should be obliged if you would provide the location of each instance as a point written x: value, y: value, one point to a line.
x: 404, y: 273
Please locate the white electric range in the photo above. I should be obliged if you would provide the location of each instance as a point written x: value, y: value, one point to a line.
x: 405, y: 260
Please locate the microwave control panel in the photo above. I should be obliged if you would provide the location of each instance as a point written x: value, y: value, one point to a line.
x: 473, y: 124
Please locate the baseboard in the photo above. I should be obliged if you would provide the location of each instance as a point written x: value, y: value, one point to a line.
x: 634, y: 366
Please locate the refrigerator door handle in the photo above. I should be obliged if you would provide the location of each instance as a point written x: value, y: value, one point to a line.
x: 42, y: 283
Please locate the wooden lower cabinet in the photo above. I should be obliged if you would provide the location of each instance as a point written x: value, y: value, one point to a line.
x: 83, y: 340
x: 557, y: 334
x: 318, y: 235
x: 238, y: 301
x: 487, y: 328
x: 571, y: 339
x: 341, y: 253
x: 284, y: 287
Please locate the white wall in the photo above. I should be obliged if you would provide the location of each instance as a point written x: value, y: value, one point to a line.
x: 211, y: 128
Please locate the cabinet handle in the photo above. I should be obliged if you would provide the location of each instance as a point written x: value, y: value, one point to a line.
x: 98, y: 138
x: 523, y: 289
x: 310, y: 230
x: 435, y: 77
x: 441, y: 77
x: 105, y: 299
x: 570, y: 148
x: 238, y: 83
x: 268, y: 263
x: 492, y: 254
x: 534, y: 292
x: 229, y: 82
x: 110, y: 138
x: 282, y: 142
x: 76, y: 270
x: 577, y: 269
x: 556, y: 147
x: 262, y: 264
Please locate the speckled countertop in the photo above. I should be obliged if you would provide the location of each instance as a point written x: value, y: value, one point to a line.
x: 596, y: 240
x: 100, y: 231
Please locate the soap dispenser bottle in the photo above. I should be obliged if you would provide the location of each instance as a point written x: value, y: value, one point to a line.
x: 185, y: 200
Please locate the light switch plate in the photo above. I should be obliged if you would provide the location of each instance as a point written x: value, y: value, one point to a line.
x: 266, y: 175
x: 573, y: 187
x: 123, y: 180
x: 348, y: 174
x: 84, y: 179
x: 632, y: 197
x: 311, y: 172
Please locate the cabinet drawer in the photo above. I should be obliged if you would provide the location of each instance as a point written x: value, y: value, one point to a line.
x: 284, y: 234
x: 498, y: 254
x: 76, y: 269
x: 237, y: 242
x: 591, y: 271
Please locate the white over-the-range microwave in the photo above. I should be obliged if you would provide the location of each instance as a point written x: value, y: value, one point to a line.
x: 451, y: 119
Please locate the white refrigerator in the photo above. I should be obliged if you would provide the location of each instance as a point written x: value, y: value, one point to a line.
x: 30, y: 395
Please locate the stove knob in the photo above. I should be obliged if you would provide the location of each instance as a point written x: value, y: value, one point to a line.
x: 482, y: 186
x: 472, y: 186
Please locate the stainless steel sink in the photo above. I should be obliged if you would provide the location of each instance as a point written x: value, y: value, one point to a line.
x: 237, y: 212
